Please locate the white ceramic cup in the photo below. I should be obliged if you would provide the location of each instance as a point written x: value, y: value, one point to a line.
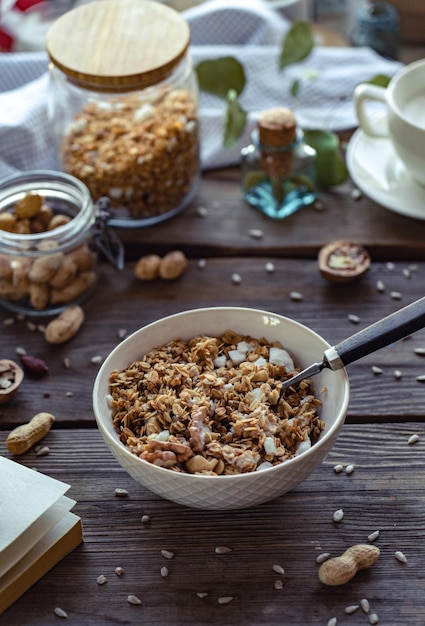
x: 405, y: 115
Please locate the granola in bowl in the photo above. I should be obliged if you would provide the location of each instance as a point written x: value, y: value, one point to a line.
x: 210, y: 406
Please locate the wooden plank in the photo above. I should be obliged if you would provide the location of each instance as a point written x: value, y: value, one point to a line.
x: 385, y: 493
x: 225, y: 229
x: 121, y: 302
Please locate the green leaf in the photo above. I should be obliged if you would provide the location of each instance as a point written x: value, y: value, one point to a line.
x: 381, y: 80
x: 235, y: 120
x: 331, y: 169
x: 297, y: 44
x: 295, y: 87
x: 218, y: 76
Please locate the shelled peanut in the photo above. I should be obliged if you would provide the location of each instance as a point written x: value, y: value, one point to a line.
x: 41, y: 274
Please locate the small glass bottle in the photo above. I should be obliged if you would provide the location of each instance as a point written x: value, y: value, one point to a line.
x: 377, y: 25
x: 50, y: 237
x: 278, y: 168
x: 123, y: 106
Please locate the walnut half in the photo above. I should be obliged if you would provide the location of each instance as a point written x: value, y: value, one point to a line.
x: 342, y: 261
x: 11, y: 376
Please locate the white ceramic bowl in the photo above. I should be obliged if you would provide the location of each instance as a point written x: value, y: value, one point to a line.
x: 233, y: 491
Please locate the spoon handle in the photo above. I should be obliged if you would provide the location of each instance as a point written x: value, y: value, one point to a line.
x: 380, y: 334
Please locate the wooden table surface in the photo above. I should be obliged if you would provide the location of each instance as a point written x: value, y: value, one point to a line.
x: 385, y: 491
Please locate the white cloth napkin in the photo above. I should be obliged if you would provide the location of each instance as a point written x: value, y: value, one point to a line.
x: 250, y: 31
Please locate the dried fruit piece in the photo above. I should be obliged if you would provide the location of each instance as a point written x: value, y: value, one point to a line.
x: 11, y: 376
x: 33, y: 365
x: 342, y: 261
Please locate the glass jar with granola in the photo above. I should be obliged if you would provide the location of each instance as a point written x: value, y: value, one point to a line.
x: 50, y: 237
x: 124, y: 106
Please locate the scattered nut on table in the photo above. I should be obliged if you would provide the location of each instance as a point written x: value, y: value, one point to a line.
x: 343, y: 261
x: 169, y: 267
x: 23, y: 437
x: 65, y: 326
x: 11, y: 376
x: 341, y: 569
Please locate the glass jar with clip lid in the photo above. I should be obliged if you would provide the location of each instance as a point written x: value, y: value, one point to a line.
x: 51, y: 237
x: 124, y: 106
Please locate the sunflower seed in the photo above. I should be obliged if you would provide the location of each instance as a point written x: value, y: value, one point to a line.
x: 373, y: 618
x: 400, y: 556
x: 354, y: 319
x: 101, y: 580
x: 296, y: 296
x: 119, y: 571
x: 167, y: 554
x: 373, y: 536
x: 224, y: 599
x: 364, y: 605
x: 321, y: 558
x: 256, y: 233
x: 133, y: 600
x: 349, y: 610
x: 60, y: 612
x: 202, y: 211
x: 278, y: 569
x: 338, y: 515
x: 42, y: 451
x: 222, y: 550
x: 413, y: 439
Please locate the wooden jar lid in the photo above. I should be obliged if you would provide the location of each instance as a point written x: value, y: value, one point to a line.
x: 118, y: 45
x: 277, y: 127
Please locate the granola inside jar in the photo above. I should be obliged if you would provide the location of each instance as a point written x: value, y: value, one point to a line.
x: 124, y: 106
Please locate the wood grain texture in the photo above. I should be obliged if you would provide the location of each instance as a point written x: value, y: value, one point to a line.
x: 225, y: 230
x: 122, y: 302
x: 385, y: 493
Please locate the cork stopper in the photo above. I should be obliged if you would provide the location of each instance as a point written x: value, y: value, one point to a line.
x: 118, y: 46
x: 277, y: 127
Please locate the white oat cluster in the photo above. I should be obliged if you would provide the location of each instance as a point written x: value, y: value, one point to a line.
x: 211, y: 405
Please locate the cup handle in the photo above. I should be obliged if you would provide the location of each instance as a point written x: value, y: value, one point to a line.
x: 362, y: 94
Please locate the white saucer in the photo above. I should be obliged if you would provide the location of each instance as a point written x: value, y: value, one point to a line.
x: 378, y: 172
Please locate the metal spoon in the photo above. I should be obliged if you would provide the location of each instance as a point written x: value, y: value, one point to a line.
x: 378, y: 335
